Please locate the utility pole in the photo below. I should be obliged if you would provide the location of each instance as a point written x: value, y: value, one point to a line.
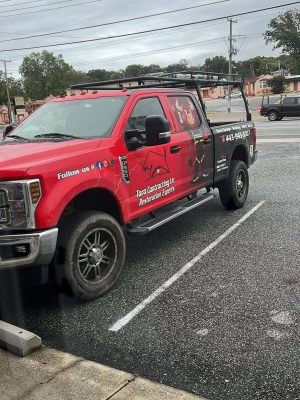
x: 7, y: 89
x: 232, y: 51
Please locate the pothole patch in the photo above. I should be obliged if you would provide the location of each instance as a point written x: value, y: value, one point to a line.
x: 282, y: 317
x: 202, y: 332
x: 276, y: 334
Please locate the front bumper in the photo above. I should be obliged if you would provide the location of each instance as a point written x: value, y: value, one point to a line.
x: 38, y: 249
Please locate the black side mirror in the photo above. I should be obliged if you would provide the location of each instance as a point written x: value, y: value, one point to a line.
x: 157, y: 130
x: 134, y: 143
x: 134, y: 139
x: 130, y: 133
x: 7, y: 129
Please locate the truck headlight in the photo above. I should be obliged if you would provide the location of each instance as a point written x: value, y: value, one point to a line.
x: 18, y: 202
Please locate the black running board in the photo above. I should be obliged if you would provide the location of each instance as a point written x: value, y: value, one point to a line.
x: 156, y: 222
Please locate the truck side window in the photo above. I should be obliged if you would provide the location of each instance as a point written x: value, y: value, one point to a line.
x: 142, y: 109
x: 289, y: 100
x: 187, y: 117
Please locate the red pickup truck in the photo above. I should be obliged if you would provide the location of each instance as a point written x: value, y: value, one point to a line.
x: 87, y: 167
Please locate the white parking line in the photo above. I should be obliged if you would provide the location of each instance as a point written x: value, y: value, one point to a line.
x: 281, y: 134
x: 273, y: 140
x: 277, y: 129
x: 125, y: 320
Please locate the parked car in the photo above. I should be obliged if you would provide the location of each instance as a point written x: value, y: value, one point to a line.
x: 288, y: 107
x: 234, y: 95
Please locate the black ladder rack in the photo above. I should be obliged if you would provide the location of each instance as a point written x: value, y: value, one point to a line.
x: 191, y: 80
x: 181, y: 79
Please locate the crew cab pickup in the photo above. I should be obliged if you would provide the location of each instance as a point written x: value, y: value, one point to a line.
x: 108, y: 158
x: 288, y: 107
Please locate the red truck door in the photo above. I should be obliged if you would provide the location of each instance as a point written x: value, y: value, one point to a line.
x: 155, y: 171
x: 197, y: 151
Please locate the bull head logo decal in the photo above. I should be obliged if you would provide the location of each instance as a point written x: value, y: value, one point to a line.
x: 156, y: 164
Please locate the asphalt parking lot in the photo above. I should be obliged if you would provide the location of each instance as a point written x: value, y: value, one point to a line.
x: 228, y: 328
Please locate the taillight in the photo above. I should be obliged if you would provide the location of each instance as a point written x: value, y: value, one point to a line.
x: 262, y: 108
x: 254, y: 137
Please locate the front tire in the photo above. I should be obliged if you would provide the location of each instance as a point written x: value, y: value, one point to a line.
x: 94, y: 252
x: 234, y: 190
x: 273, y: 115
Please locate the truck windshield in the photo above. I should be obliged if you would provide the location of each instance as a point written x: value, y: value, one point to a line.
x: 89, y: 118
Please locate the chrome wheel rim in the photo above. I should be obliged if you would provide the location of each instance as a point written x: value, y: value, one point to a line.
x: 241, y: 184
x: 96, y: 255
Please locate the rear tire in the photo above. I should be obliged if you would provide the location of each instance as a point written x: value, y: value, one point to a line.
x: 273, y: 115
x: 234, y: 190
x: 94, y: 249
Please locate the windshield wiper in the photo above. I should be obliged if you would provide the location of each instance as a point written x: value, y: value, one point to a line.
x: 57, y: 135
x: 17, y: 137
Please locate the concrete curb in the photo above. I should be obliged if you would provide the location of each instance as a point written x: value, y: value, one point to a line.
x: 50, y: 374
x: 18, y: 341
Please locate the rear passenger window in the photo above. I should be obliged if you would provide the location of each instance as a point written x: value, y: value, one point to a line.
x: 187, y: 117
x: 290, y: 100
x: 142, y: 109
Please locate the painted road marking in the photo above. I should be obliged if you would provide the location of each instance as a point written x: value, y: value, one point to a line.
x: 286, y: 140
x: 277, y: 131
x: 140, y: 307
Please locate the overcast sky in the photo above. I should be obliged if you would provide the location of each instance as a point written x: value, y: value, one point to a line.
x: 194, y: 43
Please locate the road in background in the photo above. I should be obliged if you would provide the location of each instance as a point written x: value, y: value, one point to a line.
x: 288, y: 128
x: 229, y: 328
x: 237, y: 104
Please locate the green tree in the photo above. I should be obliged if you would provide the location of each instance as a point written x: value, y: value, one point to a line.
x: 45, y: 74
x: 95, y: 75
x: 216, y: 64
x: 181, y: 65
x: 152, y: 69
x: 78, y: 77
x: 277, y: 84
x: 117, y: 74
x: 284, y: 31
x: 139, y: 69
x: 257, y: 66
x: 134, y: 70
x: 15, y: 88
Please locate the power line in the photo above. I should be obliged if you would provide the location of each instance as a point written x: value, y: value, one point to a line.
x: 116, y: 22
x: 16, y: 4
x: 183, y: 29
x: 146, y: 54
x: 49, y: 9
x: 31, y: 1
x: 165, y: 50
x: 98, y: 46
x: 88, y: 47
x: 26, y: 8
x: 151, y: 52
x: 159, y: 51
x: 150, y: 30
x: 24, y: 2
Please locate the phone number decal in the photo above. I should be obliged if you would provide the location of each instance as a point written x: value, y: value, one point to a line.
x: 235, y: 136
